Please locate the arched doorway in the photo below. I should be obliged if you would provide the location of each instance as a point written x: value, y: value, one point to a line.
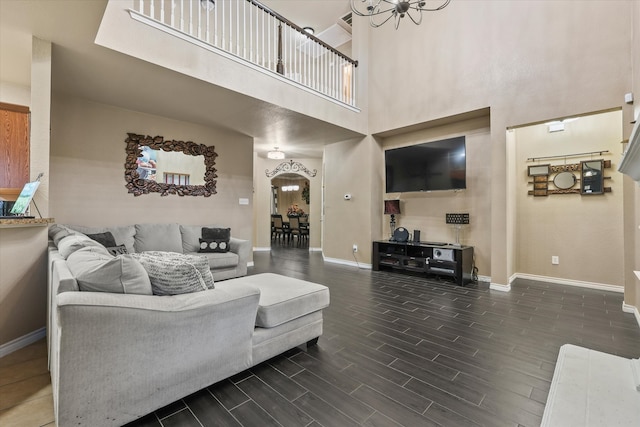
x: 290, y: 194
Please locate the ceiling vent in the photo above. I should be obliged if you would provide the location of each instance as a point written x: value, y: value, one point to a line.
x: 345, y: 21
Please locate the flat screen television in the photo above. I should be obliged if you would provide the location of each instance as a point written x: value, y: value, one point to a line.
x: 430, y: 166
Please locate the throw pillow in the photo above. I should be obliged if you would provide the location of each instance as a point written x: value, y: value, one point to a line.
x: 105, y: 239
x: 174, y: 273
x: 117, y: 250
x: 74, y: 242
x: 215, y: 239
x: 216, y: 233
x: 215, y: 245
x: 96, y: 271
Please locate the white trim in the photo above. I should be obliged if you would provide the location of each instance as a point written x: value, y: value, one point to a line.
x: 499, y: 287
x: 627, y: 308
x: 23, y: 341
x: 262, y: 249
x: 570, y: 282
x: 250, y: 264
x: 486, y: 279
x: 189, y: 38
x: 346, y: 262
x: 315, y: 249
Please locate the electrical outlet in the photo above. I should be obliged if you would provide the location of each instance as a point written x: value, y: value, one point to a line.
x: 555, y: 260
x: 355, y: 248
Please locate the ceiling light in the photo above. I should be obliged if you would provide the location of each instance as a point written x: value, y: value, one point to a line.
x: 275, y: 154
x: 309, y: 30
x: 396, y: 9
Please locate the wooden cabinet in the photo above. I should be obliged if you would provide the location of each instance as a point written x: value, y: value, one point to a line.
x: 14, y: 145
x: 430, y: 258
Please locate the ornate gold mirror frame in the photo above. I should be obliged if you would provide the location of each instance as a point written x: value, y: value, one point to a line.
x: 138, y: 186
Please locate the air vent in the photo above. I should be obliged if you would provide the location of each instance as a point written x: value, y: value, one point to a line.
x: 347, y: 18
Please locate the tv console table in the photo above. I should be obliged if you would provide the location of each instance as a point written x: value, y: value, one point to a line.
x: 434, y: 258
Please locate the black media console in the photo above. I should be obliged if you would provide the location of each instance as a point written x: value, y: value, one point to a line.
x: 435, y: 258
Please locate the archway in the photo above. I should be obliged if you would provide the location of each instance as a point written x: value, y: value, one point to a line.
x: 290, y: 194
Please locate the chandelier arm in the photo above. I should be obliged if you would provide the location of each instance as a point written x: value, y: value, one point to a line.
x: 376, y: 10
x: 442, y: 6
x: 376, y: 25
x: 419, y: 21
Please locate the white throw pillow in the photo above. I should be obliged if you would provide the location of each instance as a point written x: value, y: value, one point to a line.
x: 74, y: 242
x: 173, y: 273
x: 96, y: 271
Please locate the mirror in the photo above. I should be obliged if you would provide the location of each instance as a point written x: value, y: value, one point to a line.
x: 537, y: 170
x: 564, y: 180
x: 592, y: 177
x: 146, y: 167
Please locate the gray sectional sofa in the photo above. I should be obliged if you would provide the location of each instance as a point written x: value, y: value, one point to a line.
x: 116, y: 356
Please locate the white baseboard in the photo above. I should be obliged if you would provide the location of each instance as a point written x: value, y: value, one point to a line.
x: 499, y: 287
x: 570, y: 282
x: 627, y: 308
x: 347, y: 262
x: 486, y: 279
x: 23, y: 341
x: 315, y: 249
x: 250, y: 264
x: 262, y: 249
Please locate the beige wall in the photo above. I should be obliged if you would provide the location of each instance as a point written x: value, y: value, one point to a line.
x: 425, y: 211
x: 585, y: 232
x: 87, y: 170
x: 23, y: 263
x: 632, y: 189
x: 350, y: 168
x: 460, y: 63
x: 262, y: 199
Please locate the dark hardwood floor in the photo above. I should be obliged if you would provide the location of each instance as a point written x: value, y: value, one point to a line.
x: 400, y: 350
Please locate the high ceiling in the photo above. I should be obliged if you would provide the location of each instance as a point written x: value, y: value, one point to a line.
x: 82, y: 68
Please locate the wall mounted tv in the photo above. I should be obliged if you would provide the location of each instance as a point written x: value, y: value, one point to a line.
x: 431, y: 166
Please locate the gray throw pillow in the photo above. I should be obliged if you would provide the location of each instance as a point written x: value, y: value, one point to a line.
x: 96, y: 271
x: 215, y: 240
x: 173, y: 273
x: 106, y: 239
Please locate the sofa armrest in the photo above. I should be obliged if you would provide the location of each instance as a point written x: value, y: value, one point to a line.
x: 243, y: 249
x: 122, y: 356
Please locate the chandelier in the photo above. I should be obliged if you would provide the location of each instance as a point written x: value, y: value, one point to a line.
x: 275, y: 154
x: 396, y: 9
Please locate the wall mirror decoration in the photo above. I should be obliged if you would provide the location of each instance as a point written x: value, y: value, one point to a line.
x: 154, y: 165
x: 564, y: 180
x: 537, y: 170
x: 592, y: 181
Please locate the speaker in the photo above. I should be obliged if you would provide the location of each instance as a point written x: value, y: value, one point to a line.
x: 400, y: 235
x: 416, y: 236
x: 443, y: 254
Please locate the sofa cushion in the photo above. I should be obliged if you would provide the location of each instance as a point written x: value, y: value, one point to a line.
x: 122, y: 234
x: 219, y: 260
x: 74, y: 242
x: 173, y: 273
x: 96, y: 271
x: 283, y: 298
x: 158, y: 237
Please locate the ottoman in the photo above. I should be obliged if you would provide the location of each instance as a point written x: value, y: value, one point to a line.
x: 289, y: 313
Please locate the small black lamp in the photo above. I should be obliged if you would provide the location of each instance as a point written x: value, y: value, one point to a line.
x: 392, y: 207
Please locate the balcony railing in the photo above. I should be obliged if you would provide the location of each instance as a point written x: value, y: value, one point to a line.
x: 252, y: 32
